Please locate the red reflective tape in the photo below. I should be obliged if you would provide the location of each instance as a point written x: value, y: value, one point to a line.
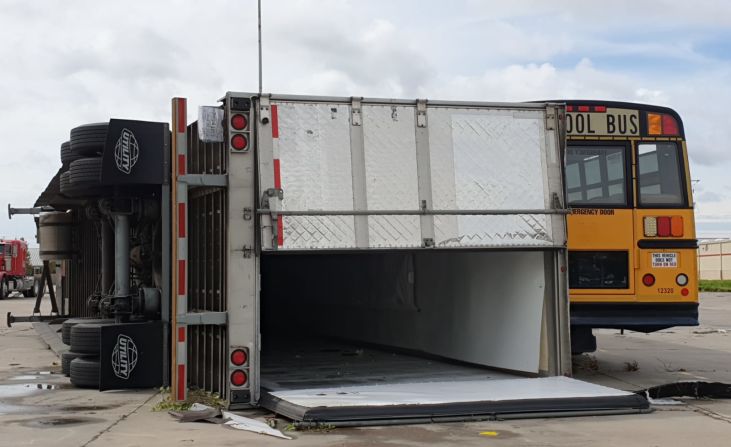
x: 181, y: 276
x: 280, y: 231
x: 181, y: 382
x: 181, y: 220
x: 181, y: 165
x: 275, y: 122
x: 278, y: 184
x: 182, y: 115
x: 277, y: 174
x: 181, y: 334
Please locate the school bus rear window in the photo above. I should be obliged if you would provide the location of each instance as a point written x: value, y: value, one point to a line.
x: 595, y: 175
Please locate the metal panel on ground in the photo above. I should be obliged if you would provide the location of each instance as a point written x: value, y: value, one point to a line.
x: 451, y: 401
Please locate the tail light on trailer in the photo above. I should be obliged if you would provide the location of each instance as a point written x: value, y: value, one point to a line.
x: 663, y: 226
x: 239, y: 378
x: 239, y: 362
x: 239, y: 128
x: 239, y: 357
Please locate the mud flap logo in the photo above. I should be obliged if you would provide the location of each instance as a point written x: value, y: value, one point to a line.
x: 126, y: 151
x: 124, y: 357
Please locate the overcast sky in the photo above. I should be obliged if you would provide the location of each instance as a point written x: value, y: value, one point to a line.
x: 73, y: 62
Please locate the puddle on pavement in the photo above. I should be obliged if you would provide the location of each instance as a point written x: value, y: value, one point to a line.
x: 33, y: 375
x: 82, y: 408
x: 26, y: 389
x: 56, y: 421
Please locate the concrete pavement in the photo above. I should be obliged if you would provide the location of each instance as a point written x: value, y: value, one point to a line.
x: 39, y: 407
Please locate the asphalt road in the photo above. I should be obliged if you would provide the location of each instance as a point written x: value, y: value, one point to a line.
x: 39, y: 407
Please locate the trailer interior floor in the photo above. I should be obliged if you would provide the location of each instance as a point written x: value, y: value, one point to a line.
x: 325, y: 381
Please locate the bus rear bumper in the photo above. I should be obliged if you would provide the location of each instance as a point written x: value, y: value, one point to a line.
x: 644, y: 317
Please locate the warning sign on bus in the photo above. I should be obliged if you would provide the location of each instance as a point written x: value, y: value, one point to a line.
x: 664, y: 259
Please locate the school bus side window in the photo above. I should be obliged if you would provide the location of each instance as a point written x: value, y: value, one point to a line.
x: 659, y: 177
x: 595, y: 175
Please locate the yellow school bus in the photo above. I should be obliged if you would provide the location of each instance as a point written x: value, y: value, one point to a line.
x: 632, y: 241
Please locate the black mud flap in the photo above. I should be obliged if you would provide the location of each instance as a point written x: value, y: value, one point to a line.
x: 134, y: 153
x: 131, y: 356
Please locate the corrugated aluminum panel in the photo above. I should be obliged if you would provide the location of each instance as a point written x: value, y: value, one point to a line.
x: 488, y: 159
x: 314, y: 154
x: 481, y: 158
x: 391, y: 179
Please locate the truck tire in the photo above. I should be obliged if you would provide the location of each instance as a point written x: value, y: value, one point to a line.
x: 89, y: 139
x: 85, y: 338
x: 84, y: 372
x: 66, y: 155
x: 71, y: 322
x: 66, y: 359
x: 4, y: 289
x: 36, y: 287
x: 85, y: 171
x: 83, y: 179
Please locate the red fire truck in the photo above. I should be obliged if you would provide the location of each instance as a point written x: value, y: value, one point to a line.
x: 13, y: 275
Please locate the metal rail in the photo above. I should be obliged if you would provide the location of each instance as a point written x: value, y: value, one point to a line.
x: 411, y: 212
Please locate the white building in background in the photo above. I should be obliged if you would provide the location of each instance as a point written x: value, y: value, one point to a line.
x: 714, y: 259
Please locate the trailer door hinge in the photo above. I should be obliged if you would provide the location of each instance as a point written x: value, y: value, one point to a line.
x: 556, y: 202
x: 421, y: 113
x: 356, y: 116
x: 247, y: 251
x: 264, y: 109
x: 550, y: 119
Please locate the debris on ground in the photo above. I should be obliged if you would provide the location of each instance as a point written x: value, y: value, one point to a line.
x: 204, y: 413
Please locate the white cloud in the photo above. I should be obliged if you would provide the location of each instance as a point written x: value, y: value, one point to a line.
x: 77, y: 62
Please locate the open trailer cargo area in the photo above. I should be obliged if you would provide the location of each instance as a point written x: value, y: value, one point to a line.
x: 354, y: 261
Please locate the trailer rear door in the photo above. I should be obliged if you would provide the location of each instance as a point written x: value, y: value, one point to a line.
x: 464, y: 201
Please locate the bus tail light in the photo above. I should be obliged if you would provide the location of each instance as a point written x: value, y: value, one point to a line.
x: 676, y: 226
x: 648, y: 280
x: 662, y: 124
x: 682, y: 279
x: 663, y: 226
x: 684, y: 291
x: 650, y: 224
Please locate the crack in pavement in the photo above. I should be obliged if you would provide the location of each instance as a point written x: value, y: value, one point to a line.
x: 710, y: 414
x: 121, y: 418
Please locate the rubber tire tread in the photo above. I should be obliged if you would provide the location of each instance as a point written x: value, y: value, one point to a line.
x: 84, y: 372
x: 85, y: 338
x: 86, y: 171
x: 66, y: 358
x: 71, y: 322
x: 65, y: 184
x: 89, y: 139
x: 67, y: 156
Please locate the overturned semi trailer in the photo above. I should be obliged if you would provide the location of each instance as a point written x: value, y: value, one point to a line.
x: 355, y: 261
